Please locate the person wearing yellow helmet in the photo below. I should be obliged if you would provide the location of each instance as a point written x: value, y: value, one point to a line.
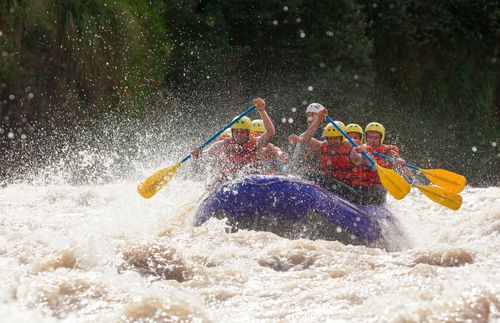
x: 257, y: 128
x: 354, y: 131
x: 238, y: 153
x: 367, y: 179
x: 338, y: 158
x: 375, y: 135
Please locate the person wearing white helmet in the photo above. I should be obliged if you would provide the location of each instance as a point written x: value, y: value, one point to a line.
x: 338, y: 160
x: 238, y: 153
x: 312, y: 110
x: 303, y: 159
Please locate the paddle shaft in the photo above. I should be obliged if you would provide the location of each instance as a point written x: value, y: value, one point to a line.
x: 410, y: 166
x: 329, y: 119
x: 209, y: 140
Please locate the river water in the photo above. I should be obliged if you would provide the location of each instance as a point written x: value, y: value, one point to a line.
x: 101, y: 253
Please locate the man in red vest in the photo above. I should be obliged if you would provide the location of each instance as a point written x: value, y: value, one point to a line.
x: 367, y: 179
x: 237, y: 154
x: 338, y: 158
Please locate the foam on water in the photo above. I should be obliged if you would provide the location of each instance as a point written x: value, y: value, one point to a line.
x: 102, y: 253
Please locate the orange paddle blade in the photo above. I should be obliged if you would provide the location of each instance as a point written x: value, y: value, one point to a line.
x: 393, y: 182
x: 450, y: 181
x: 151, y: 185
x: 441, y: 196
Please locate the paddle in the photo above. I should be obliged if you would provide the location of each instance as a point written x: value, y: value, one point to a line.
x: 450, y: 181
x: 441, y: 196
x: 437, y: 194
x: 151, y: 185
x: 391, y: 180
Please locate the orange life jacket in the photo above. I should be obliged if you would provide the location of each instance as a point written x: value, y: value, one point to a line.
x: 237, y: 155
x: 336, y: 162
x: 385, y: 150
x: 368, y: 177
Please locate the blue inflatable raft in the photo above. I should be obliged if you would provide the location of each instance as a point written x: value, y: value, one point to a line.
x: 294, y: 208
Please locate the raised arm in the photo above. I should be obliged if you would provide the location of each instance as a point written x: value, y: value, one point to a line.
x: 307, y: 138
x: 268, y: 123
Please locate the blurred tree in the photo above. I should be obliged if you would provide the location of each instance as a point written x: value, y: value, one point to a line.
x: 72, y: 55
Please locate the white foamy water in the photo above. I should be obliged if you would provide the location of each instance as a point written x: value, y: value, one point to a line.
x: 104, y: 254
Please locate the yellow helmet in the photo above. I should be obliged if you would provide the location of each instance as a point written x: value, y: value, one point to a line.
x: 331, y: 131
x: 354, y: 128
x: 244, y: 123
x: 376, y: 127
x: 258, y: 126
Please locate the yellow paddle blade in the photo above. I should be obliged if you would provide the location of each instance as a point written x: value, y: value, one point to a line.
x: 450, y: 181
x: 151, y: 185
x: 441, y: 196
x: 393, y: 182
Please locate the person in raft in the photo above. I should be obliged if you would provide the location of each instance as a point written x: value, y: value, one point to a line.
x: 354, y: 131
x: 338, y: 161
x: 237, y: 155
x: 270, y: 158
x: 303, y: 160
x: 367, y: 180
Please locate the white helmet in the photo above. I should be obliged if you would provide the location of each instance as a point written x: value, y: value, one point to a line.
x: 314, y: 107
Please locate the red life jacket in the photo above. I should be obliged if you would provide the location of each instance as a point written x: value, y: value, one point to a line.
x: 336, y: 162
x: 368, y: 177
x: 237, y: 155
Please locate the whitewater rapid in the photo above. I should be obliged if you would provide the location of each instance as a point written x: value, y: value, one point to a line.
x: 101, y: 253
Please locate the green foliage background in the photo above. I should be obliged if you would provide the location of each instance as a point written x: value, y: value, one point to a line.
x: 429, y: 70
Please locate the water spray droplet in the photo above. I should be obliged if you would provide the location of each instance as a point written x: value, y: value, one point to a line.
x: 310, y: 88
x: 474, y: 149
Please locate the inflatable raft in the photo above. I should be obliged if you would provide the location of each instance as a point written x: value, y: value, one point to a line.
x: 294, y: 208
